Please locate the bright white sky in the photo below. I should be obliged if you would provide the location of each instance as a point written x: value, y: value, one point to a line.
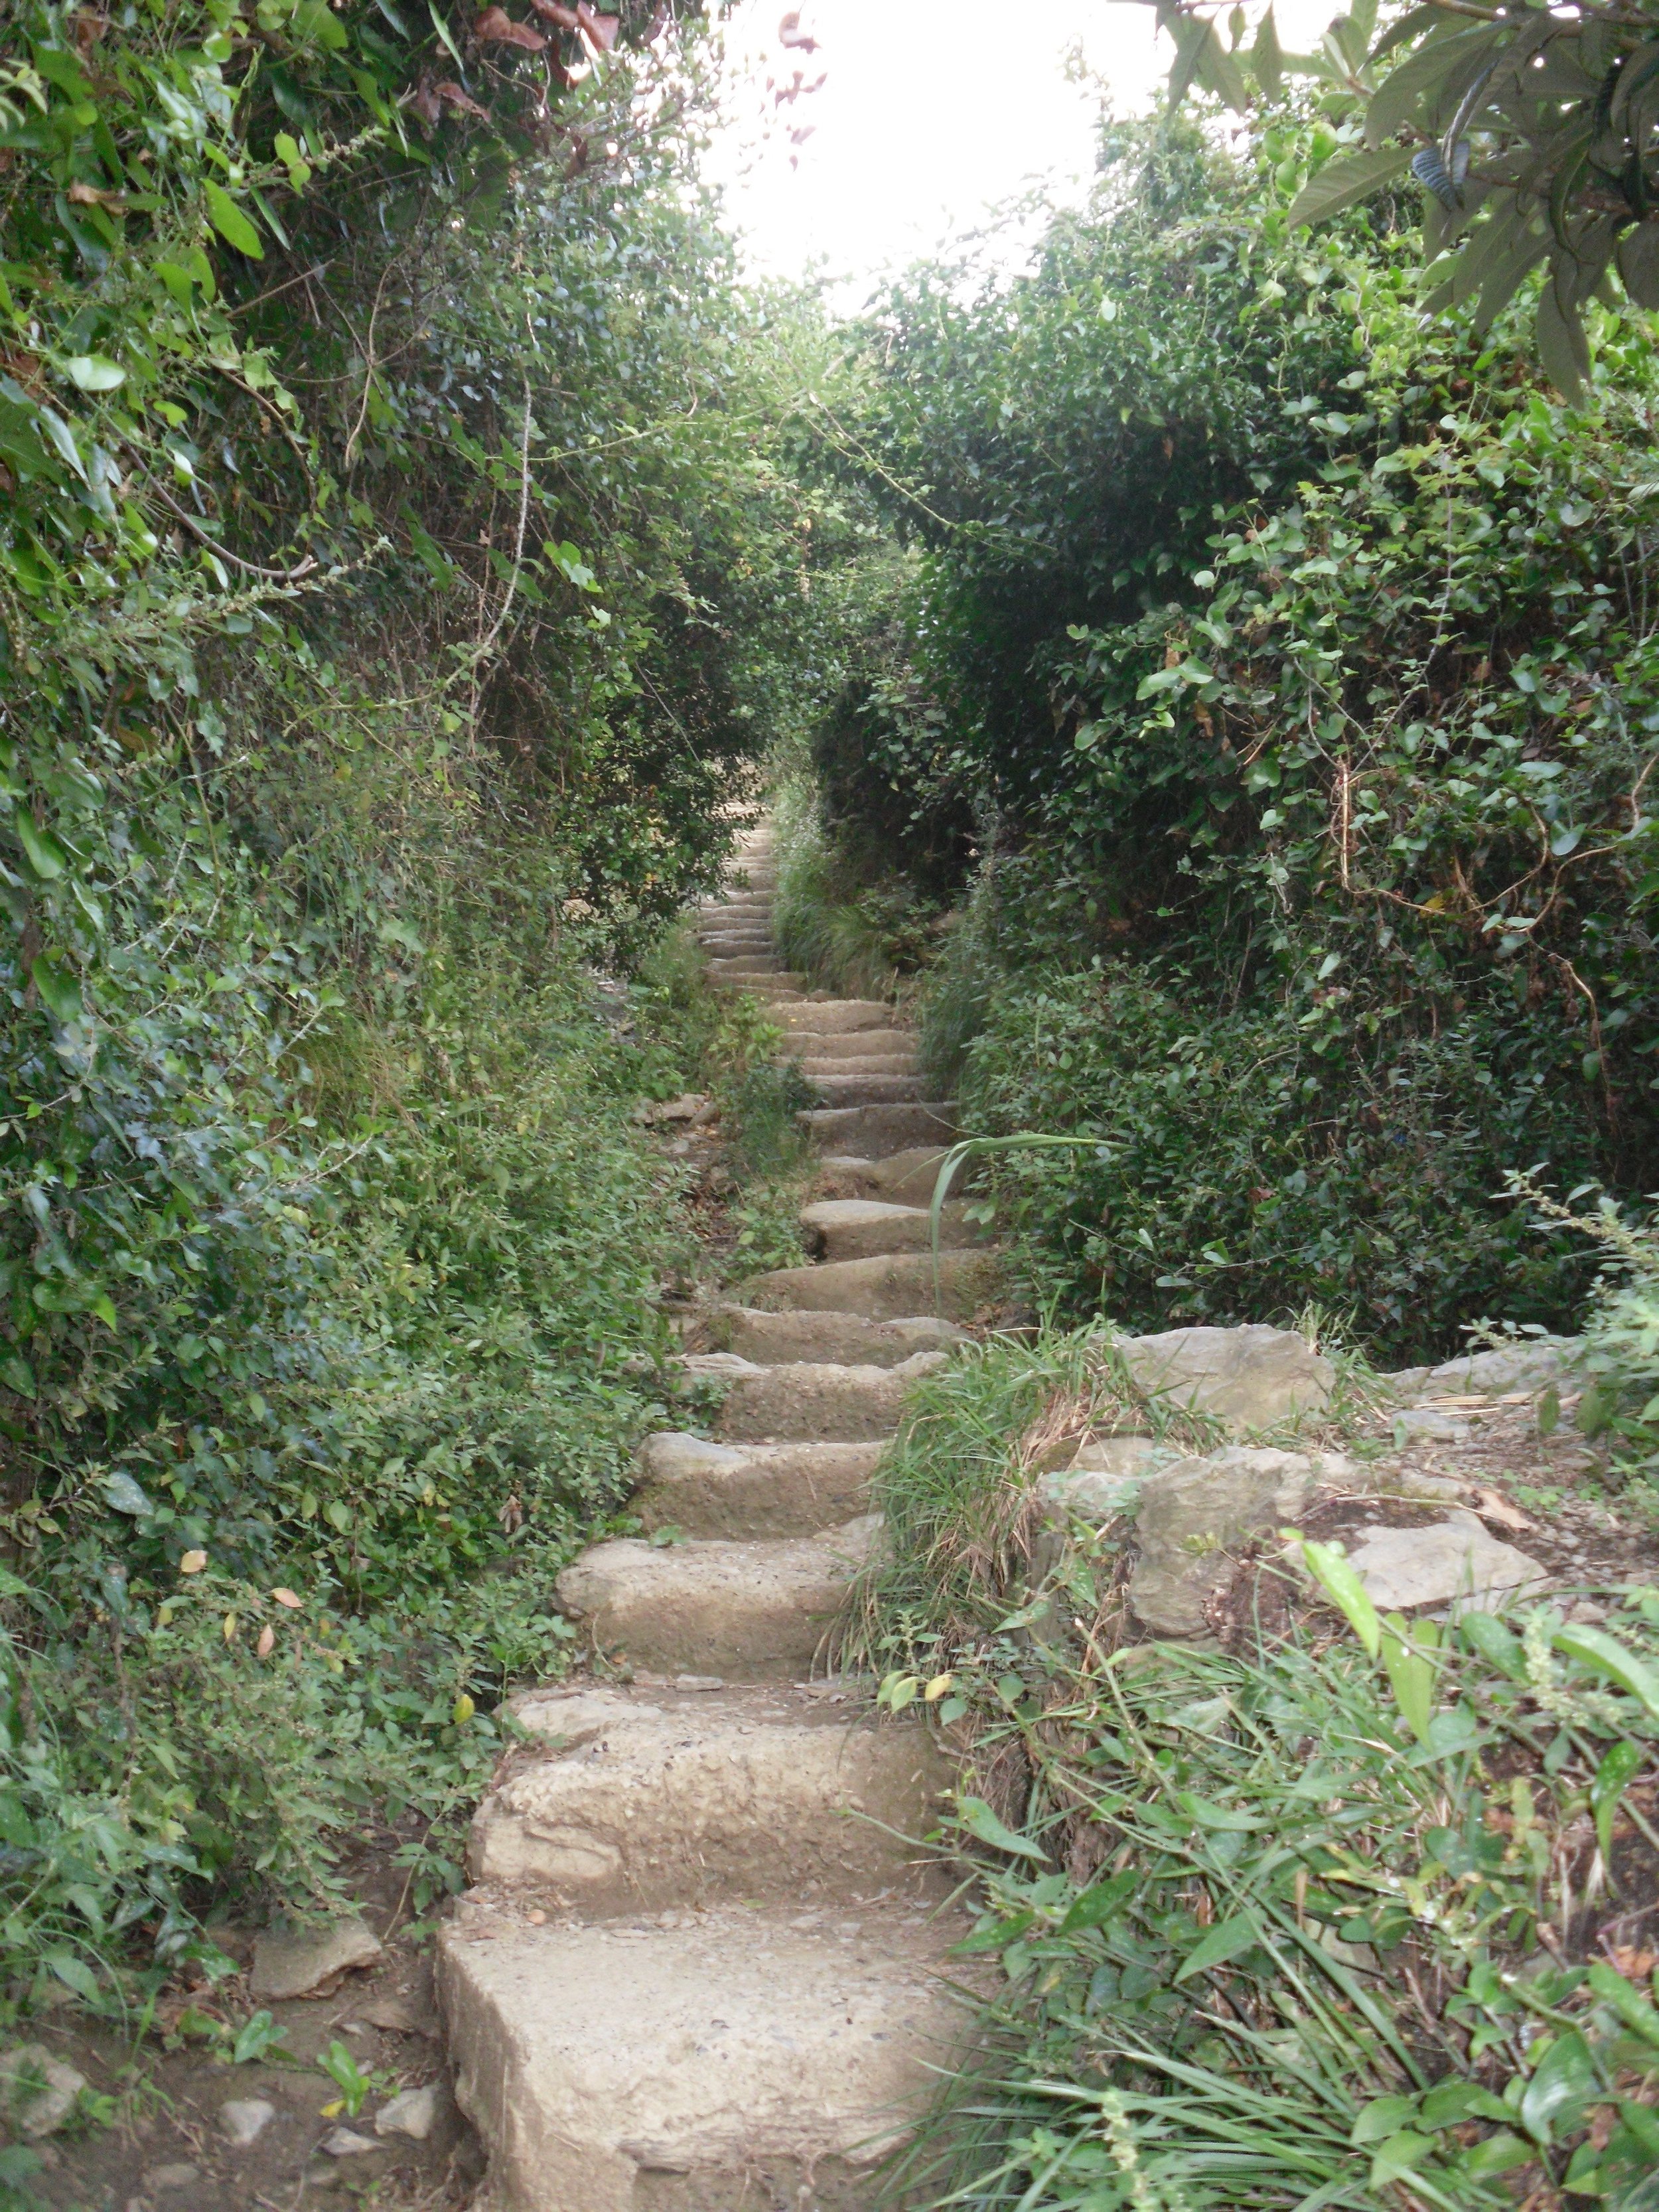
x: 930, y: 111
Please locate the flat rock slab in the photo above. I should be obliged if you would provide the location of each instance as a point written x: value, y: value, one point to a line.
x: 874, y: 1131
x: 771, y: 1338
x: 889, y: 1288
x: 717, y: 1490
x: 834, y: 1016
x: 1454, y: 1561
x: 1250, y: 1379
x: 753, y: 1612
x: 1532, y: 1365
x: 1105, y: 1476
x: 807, y: 1399
x: 1194, y: 1514
x: 659, y: 1795
x: 308, y: 1962
x: 826, y: 1071
x: 737, y: 2062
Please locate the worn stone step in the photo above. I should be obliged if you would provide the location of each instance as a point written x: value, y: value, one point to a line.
x: 906, y: 1178
x: 860, y: 1228
x: 657, y: 1795
x: 751, y: 1612
x: 742, y: 965
x: 802, y: 1400
x: 827, y: 1074
x: 870, y: 1089
x: 873, y: 1131
x: 850, y: 1045
x: 836, y: 1017
x: 735, y: 903
x: 772, y: 1339
x: 732, y: 945
x: 727, y: 1491
x: 884, y: 1289
x: 735, y: 2059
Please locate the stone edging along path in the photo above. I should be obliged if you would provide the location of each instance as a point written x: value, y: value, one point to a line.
x: 701, y: 1966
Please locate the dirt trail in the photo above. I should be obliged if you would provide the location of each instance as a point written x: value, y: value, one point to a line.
x: 702, y: 1966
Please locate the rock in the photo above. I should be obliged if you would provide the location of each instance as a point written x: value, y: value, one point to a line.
x: 400, y: 2016
x: 243, y: 2120
x: 718, y: 1490
x: 1194, y: 1513
x: 1425, y: 1424
x: 863, y: 1228
x: 413, y: 2114
x: 37, y: 2092
x: 1250, y: 1379
x: 306, y: 1962
x: 686, y: 1108
x: 161, y: 2178
x: 1529, y: 1363
x: 869, y: 1088
x: 1454, y: 1560
x: 346, y: 2142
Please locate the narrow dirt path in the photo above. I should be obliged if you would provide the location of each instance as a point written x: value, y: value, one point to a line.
x: 703, y: 1967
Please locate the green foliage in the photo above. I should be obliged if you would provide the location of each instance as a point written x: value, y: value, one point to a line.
x: 1300, y: 1921
x: 398, y: 571
x: 1303, y: 679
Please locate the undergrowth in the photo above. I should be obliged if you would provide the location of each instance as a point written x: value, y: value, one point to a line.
x: 1358, y: 1917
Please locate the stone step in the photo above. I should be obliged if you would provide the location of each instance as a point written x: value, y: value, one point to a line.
x: 728, y: 1491
x: 732, y: 945
x: 875, y: 1131
x: 834, y: 1016
x: 906, y: 1178
x: 884, y: 1289
x: 870, y: 1089
x: 734, y: 903
x: 871, y: 1068
x: 647, y: 1796
x: 734, y: 2059
x: 861, y: 1228
x: 803, y: 1399
x: 773, y: 1339
x: 850, y: 1044
x: 743, y: 964
x: 755, y: 1612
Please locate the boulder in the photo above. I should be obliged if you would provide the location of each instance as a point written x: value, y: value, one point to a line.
x: 1105, y: 1476
x: 1529, y: 1363
x: 1250, y: 1379
x: 1194, y: 1515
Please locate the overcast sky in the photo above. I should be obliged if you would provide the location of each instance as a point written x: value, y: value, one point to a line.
x: 930, y: 110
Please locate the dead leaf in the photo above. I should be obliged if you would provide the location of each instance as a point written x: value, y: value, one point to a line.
x: 1491, y: 1506
x: 80, y: 195
x: 424, y: 102
x: 790, y: 34
x: 554, y: 11
x: 655, y: 27
x: 452, y: 95
x: 267, y: 1642
x: 1635, y: 1965
x: 496, y: 28
x: 193, y: 1563
x: 600, y: 29
x: 288, y: 1598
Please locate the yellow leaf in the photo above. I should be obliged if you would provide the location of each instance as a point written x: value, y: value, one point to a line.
x: 937, y: 1688
x: 333, y: 2111
x: 193, y: 1563
x: 463, y: 1711
x: 287, y: 1597
x: 230, y: 1627
x: 267, y: 1642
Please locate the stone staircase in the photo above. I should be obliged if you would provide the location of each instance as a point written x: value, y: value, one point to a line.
x: 704, y: 1965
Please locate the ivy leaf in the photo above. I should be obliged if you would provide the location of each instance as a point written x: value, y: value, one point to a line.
x: 231, y: 223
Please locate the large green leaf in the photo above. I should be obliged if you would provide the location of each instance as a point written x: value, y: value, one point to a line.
x: 232, y: 224
x: 1340, y: 183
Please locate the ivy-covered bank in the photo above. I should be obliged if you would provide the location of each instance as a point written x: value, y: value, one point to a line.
x: 397, y: 575
x: 1277, y: 704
